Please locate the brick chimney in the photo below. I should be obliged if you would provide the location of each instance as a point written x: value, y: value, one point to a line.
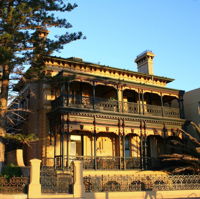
x: 145, y: 62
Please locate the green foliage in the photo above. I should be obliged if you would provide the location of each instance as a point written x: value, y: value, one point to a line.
x: 10, y: 171
x: 22, y: 139
x: 23, y: 30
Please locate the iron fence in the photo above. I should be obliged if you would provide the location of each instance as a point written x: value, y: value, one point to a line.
x: 54, y: 181
x: 103, y: 104
x: 90, y: 162
x: 128, y: 183
x: 14, y: 185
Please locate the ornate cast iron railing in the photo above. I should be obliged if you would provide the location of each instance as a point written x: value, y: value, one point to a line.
x: 107, y: 162
x: 54, y: 181
x: 104, y: 104
x: 132, y: 163
x: 152, y: 110
x: 130, y: 107
x: 127, y: 183
x: 14, y: 185
x: 171, y: 112
x: 89, y: 162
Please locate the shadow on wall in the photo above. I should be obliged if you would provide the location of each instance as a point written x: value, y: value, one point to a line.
x: 144, y: 195
x: 151, y: 195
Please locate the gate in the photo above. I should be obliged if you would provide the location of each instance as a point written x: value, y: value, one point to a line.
x: 56, y: 181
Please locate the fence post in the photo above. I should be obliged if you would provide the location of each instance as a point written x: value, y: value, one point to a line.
x: 79, y: 189
x: 34, y: 189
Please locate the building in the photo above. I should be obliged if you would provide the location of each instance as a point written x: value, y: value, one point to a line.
x: 108, y: 117
x: 192, y: 105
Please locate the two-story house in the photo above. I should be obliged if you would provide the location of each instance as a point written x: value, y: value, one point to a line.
x: 108, y: 117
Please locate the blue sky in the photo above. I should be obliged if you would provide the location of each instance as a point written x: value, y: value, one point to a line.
x: 118, y: 30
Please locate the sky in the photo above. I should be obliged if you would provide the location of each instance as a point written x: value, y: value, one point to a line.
x: 119, y: 30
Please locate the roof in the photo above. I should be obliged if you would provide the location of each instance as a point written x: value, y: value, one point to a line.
x: 80, y: 61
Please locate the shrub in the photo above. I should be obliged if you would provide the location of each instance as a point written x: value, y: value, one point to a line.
x: 10, y: 171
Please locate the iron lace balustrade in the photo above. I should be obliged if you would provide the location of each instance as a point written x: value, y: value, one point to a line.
x: 13, y: 185
x: 54, y: 181
x: 145, y: 182
x: 106, y: 104
x: 102, y: 162
x: 132, y: 163
x: 130, y: 107
x: 152, y: 110
x: 171, y: 112
x: 111, y: 105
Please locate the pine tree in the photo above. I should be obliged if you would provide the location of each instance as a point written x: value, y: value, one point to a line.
x: 24, y: 26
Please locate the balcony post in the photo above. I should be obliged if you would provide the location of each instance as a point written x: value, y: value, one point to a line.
x: 139, y: 101
x: 124, y: 154
x: 141, y: 148
x: 94, y: 137
x: 94, y: 94
x: 123, y: 137
x: 67, y: 135
x: 95, y: 154
x: 143, y: 103
x: 145, y: 147
x: 119, y: 137
x: 120, y: 99
x: 181, y: 106
x: 162, y: 106
x: 62, y: 149
x: 55, y: 149
x: 68, y: 92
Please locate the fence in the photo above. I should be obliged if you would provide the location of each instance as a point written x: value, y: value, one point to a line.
x: 129, y: 183
x: 53, y: 181
x: 49, y: 181
x: 14, y: 185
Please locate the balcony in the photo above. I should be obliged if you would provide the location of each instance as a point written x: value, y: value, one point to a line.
x: 109, y: 105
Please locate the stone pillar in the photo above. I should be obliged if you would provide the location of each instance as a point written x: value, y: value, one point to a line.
x: 2, y: 154
x: 79, y: 189
x: 34, y: 189
x: 19, y: 158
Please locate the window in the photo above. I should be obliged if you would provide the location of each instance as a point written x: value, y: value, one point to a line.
x: 76, y: 145
x: 127, y: 147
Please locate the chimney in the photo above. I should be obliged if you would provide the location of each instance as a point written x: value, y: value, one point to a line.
x: 145, y: 62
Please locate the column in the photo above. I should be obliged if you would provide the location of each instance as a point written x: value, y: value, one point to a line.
x: 95, y: 140
x: 162, y: 106
x: 62, y: 149
x: 55, y: 149
x: 95, y: 154
x: 145, y: 148
x: 181, y: 105
x: 79, y: 188
x: 141, y: 147
x: 2, y: 154
x: 143, y: 109
x: 139, y: 101
x: 68, y: 93
x: 119, y: 140
x: 34, y: 189
x: 94, y: 94
x: 67, y: 148
x: 124, y: 155
x: 120, y: 99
